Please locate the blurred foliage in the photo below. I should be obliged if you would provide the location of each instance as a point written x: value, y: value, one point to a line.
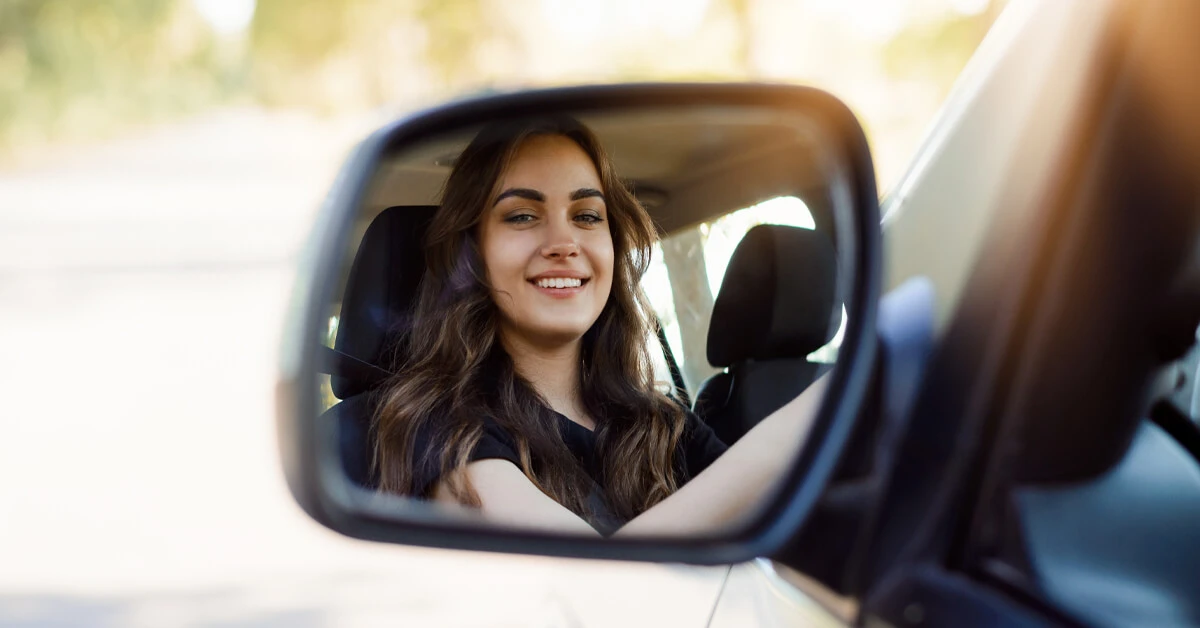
x: 80, y: 68
x: 329, y: 54
x: 935, y: 52
x: 83, y: 68
x: 294, y: 43
x: 453, y: 29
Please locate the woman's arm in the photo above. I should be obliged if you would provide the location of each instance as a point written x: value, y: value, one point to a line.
x: 718, y: 496
x: 737, y: 481
x: 508, y: 498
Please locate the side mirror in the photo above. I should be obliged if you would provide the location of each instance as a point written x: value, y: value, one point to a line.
x: 765, y: 278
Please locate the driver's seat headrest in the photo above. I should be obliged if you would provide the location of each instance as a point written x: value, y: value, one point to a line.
x: 381, y: 290
x: 778, y: 298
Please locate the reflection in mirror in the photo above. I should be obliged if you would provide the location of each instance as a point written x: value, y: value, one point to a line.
x: 581, y: 323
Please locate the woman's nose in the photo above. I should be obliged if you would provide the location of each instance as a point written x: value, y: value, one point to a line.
x: 566, y: 248
x: 560, y: 241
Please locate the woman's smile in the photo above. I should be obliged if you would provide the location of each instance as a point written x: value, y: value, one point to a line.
x: 560, y: 285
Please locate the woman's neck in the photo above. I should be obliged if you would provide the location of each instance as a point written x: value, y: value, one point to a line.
x: 554, y: 374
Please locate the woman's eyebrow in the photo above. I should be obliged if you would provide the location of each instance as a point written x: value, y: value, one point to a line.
x: 587, y: 193
x: 525, y: 193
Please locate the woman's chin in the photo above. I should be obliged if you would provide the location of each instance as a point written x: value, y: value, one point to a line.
x: 557, y: 335
x: 563, y: 336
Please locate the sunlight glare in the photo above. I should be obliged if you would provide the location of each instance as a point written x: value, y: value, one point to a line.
x: 969, y: 7
x: 227, y: 17
x: 589, y: 21
x: 875, y: 19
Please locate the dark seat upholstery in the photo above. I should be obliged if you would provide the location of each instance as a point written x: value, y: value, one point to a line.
x: 381, y: 290
x: 777, y: 304
x: 380, y: 293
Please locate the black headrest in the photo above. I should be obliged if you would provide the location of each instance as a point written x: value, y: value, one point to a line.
x: 381, y: 289
x: 778, y: 298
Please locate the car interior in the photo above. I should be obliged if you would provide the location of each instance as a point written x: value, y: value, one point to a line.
x: 778, y: 301
x: 772, y: 311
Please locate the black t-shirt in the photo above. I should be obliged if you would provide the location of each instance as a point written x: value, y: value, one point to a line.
x: 699, y: 447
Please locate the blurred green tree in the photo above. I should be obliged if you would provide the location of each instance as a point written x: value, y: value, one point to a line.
x: 80, y: 68
x: 358, y: 53
x: 85, y: 68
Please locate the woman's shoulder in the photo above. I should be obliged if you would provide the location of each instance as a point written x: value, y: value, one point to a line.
x: 432, y: 441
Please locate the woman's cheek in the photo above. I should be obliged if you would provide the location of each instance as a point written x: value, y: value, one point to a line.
x: 512, y: 260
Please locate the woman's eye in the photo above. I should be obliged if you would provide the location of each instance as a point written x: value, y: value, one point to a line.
x: 519, y: 218
x: 589, y: 218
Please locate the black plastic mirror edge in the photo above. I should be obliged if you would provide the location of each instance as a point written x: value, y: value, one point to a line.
x: 305, y: 462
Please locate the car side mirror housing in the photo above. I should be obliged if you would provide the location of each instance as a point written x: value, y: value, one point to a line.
x: 725, y: 172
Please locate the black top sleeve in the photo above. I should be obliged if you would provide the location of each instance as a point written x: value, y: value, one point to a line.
x: 701, y: 446
x: 427, y: 450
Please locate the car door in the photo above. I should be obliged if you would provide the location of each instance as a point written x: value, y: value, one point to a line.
x: 1086, y: 498
x: 1050, y: 463
x: 1066, y: 498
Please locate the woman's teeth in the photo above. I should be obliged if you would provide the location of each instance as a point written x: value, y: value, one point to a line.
x: 559, y: 282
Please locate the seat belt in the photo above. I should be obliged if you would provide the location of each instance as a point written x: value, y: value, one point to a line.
x: 676, y: 374
x: 340, y: 364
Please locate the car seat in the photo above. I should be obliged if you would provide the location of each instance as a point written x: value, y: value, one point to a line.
x: 381, y: 291
x: 776, y: 305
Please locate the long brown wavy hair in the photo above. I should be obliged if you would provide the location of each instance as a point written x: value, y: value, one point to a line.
x: 455, y: 371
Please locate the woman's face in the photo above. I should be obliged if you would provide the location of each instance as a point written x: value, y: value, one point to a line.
x: 546, y: 243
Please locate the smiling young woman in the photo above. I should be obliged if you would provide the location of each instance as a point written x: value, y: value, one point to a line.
x: 527, y: 389
x: 548, y: 251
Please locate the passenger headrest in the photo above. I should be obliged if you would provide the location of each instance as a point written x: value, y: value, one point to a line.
x: 778, y: 298
x: 381, y: 289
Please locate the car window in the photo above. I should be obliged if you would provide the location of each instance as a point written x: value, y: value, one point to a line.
x: 682, y: 296
x: 326, y: 398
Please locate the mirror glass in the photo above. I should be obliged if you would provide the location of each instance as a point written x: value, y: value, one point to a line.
x: 580, y: 322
